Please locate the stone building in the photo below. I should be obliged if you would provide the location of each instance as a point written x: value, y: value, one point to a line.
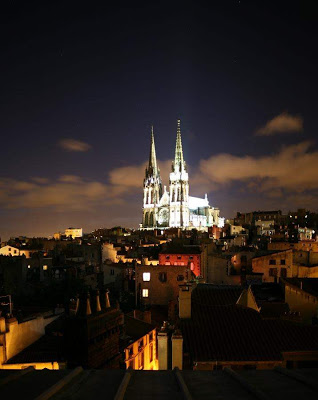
x: 190, y: 256
x: 159, y: 284
x: 289, y: 263
x: 174, y: 208
x: 140, y: 344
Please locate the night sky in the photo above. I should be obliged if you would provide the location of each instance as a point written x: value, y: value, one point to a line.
x: 81, y: 86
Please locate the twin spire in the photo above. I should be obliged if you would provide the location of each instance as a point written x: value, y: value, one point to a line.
x: 152, y: 155
x: 178, y: 158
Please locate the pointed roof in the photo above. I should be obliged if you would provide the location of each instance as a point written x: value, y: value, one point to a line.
x: 247, y: 299
x: 178, y: 158
x: 152, y: 155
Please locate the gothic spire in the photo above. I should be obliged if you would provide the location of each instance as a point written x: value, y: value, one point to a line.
x: 152, y: 155
x: 178, y: 158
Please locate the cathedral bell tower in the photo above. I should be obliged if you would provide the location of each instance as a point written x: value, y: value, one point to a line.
x: 152, y: 189
x: 179, y: 187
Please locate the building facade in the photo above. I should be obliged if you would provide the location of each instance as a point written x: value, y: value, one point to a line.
x: 174, y: 208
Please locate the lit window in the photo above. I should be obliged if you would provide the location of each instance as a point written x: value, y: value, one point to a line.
x: 145, y: 293
x: 146, y: 276
x: 44, y: 267
x: 29, y: 266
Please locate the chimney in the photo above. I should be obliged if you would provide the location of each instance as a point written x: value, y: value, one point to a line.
x: 2, y: 324
x: 147, y: 316
x: 84, y: 306
x: 163, y: 344
x: 107, y: 302
x: 88, y: 305
x: 98, y: 307
x: 77, y: 304
x: 185, y: 300
x: 177, y: 349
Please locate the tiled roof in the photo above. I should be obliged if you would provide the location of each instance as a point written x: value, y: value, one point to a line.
x: 268, y: 292
x: 216, y: 295
x: 227, y: 333
x: 220, y: 330
x: 182, y: 250
x: 273, y: 309
x: 136, y: 329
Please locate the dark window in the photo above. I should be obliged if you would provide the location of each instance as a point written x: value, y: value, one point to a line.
x: 273, y: 272
x: 151, y: 353
x: 180, y: 278
x: 141, y: 360
x: 272, y: 262
x: 179, y: 257
x: 191, y: 258
x: 162, y: 277
x: 283, y: 272
x: 112, y: 272
x: 167, y: 257
x: 282, y: 262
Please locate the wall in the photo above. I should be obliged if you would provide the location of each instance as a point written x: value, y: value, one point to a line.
x: 133, y: 353
x: 302, y: 245
x: 20, y: 336
x: 114, y: 273
x: 182, y: 259
x: 235, y: 365
x: 235, y: 230
x: 74, y: 232
x: 160, y: 292
x: 283, y: 262
x: 300, y: 301
x: 307, y: 272
x: 109, y: 252
x: 217, y: 272
x: 36, y: 365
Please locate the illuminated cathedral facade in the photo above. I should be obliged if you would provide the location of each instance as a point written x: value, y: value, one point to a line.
x: 176, y: 208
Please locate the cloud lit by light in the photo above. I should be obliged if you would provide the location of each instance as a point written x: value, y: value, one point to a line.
x: 74, y: 145
x: 283, y: 123
x: 284, y: 180
x: 292, y: 168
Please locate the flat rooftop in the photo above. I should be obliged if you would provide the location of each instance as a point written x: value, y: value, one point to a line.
x: 132, y: 385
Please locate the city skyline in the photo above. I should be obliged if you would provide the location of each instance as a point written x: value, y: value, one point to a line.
x: 82, y: 88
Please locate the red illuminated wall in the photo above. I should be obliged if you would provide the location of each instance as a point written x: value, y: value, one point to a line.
x: 182, y: 259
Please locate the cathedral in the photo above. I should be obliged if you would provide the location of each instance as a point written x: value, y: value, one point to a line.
x: 176, y: 208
